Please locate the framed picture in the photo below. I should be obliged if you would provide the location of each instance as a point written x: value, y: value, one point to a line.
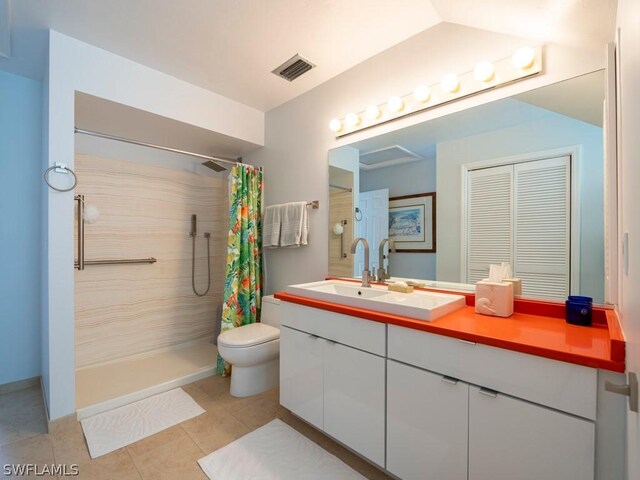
x: 412, y: 222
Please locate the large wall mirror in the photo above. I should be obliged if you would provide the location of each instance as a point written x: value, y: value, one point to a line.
x: 518, y: 180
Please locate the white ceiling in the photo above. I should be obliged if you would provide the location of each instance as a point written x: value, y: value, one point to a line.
x: 231, y: 46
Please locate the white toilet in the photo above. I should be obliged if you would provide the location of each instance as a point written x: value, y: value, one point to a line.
x: 254, y: 351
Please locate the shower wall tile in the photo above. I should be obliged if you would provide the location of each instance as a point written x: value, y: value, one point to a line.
x: 145, y: 211
x: 340, y: 208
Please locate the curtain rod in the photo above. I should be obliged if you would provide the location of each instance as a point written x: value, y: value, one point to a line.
x: 151, y: 145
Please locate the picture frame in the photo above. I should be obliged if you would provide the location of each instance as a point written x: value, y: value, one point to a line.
x: 412, y: 222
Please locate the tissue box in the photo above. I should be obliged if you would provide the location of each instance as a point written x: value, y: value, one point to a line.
x: 494, y: 298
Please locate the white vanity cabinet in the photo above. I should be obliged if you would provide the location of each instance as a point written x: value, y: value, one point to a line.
x: 334, y: 386
x: 512, y: 438
x: 301, y: 375
x: 508, y: 437
x: 427, y: 424
x: 427, y: 406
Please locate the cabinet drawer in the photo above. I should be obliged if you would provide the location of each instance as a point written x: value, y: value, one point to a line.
x: 513, y: 439
x: 560, y: 385
x: 356, y: 332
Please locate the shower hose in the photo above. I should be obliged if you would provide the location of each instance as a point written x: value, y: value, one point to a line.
x: 193, y: 266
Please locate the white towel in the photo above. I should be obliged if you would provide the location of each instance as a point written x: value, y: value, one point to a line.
x: 271, y: 227
x: 294, y: 229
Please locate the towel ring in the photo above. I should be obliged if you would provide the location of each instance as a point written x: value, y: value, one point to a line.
x: 75, y: 178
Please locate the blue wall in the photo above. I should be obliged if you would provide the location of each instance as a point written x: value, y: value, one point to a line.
x: 20, y: 212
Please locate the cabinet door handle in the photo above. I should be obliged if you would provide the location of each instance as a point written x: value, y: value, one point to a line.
x: 449, y: 380
x: 467, y: 342
x: 488, y: 392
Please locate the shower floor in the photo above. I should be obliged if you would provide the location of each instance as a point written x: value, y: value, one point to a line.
x: 106, y: 386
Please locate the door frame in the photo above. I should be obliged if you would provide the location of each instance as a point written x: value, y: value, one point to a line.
x: 573, y: 151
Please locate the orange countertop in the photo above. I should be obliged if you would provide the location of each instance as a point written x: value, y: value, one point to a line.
x: 544, y: 333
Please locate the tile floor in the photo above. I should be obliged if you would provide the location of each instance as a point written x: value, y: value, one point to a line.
x: 170, y: 454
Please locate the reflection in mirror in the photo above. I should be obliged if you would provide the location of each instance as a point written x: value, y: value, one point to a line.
x: 518, y: 180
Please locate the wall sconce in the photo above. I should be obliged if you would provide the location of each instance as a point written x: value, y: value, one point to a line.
x: 524, y: 63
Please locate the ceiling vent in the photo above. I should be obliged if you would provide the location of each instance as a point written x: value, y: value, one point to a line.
x: 293, y: 68
x: 387, y: 156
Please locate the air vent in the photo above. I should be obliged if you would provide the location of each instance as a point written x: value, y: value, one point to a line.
x: 293, y: 68
x: 387, y: 156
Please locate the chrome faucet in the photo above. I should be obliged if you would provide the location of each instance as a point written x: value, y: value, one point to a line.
x: 365, y: 272
x: 382, y: 273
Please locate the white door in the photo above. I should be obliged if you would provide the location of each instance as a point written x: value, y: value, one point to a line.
x: 489, y: 214
x: 521, y: 214
x: 374, y: 226
x: 542, y: 221
x: 301, y: 358
x: 354, y: 399
x: 427, y: 422
x: 514, y: 439
x: 628, y: 144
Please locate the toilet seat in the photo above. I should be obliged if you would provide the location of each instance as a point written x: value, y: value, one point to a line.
x: 248, y: 335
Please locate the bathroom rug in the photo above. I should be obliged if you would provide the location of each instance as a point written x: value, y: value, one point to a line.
x: 125, y: 425
x: 275, y: 452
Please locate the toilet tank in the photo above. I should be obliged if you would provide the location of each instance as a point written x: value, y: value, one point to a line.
x: 270, y: 313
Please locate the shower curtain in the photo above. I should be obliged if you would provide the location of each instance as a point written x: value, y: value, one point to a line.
x: 243, y: 283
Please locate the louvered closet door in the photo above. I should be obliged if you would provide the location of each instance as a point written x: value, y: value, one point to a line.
x: 542, y: 227
x: 489, y: 220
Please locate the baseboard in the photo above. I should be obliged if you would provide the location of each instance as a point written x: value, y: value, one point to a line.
x: 46, y: 404
x: 19, y: 385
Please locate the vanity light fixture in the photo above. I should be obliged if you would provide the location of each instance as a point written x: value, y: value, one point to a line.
x: 335, y: 125
x: 352, y: 120
x: 523, y: 58
x: 422, y: 94
x: 373, y: 113
x: 450, y: 83
x: 525, y: 62
x: 484, y: 72
x: 395, y: 104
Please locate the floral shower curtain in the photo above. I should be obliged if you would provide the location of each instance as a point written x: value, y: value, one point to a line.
x: 242, y: 296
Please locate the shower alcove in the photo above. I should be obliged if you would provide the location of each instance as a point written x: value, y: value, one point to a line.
x: 139, y: 327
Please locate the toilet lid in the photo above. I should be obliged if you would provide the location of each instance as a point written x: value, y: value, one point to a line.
x: 248, y: 335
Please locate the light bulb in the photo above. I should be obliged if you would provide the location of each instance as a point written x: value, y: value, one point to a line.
x: 91, y: 214
x: 352, y: 120
x: 484, y: 71
x: 523, y: 58
x: 395, y: 104
x: 335, y: 125
x: 422, y: 94
x: 450, y: 83
x: 373, y: 113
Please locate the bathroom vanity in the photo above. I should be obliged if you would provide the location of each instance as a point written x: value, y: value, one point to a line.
x: 462, y: 397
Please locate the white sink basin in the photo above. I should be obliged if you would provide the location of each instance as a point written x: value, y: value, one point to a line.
x: 418, y: 305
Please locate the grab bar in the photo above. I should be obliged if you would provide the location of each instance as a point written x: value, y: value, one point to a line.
x: 81, y: 263
x: 118, y: 261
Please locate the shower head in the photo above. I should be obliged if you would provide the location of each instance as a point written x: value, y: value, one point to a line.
x: 214, y: 166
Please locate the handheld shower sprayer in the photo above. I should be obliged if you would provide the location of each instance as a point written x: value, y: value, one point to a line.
x: 193, y: 234
x: 194, y: 228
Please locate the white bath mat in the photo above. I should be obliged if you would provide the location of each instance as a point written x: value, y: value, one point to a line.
x: 125, y: 425
x: 275, y: 451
